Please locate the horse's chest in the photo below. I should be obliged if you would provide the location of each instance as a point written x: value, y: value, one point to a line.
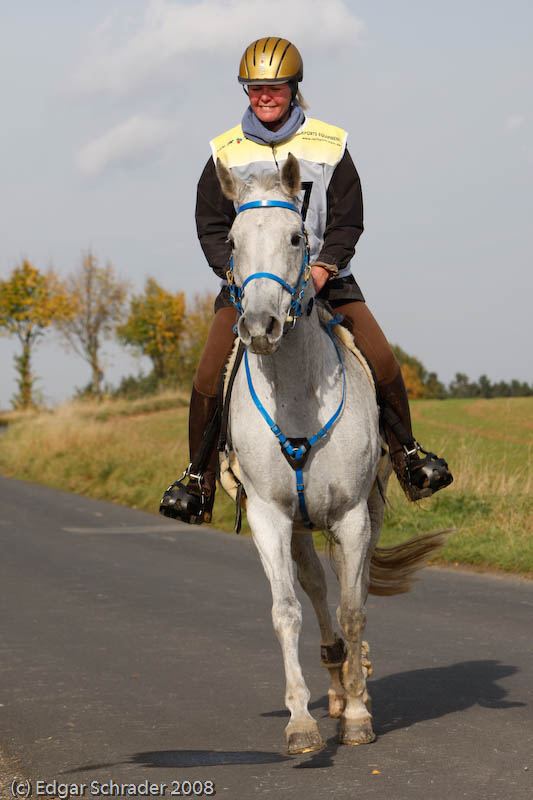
x: 298, y: 416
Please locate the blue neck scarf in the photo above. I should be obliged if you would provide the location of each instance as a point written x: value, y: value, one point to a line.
x: 254, y: 129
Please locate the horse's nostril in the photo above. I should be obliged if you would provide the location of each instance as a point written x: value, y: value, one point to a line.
x: 271, y: 325
x: 243, y: 331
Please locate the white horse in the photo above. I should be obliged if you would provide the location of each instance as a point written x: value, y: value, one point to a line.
x: 296, y: 373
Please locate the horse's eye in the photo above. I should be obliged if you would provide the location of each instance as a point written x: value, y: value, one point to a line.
x: 296, y: 238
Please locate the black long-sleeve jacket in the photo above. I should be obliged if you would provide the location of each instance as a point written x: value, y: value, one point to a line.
x: 344, y: 225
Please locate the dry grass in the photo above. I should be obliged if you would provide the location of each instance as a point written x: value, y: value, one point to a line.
x: 128, y: 452
x: 488, y: 444
x: 115, y: 450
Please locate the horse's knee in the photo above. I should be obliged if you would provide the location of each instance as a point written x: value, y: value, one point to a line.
x: 286, y: 615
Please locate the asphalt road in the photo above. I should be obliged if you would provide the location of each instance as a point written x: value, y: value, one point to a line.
x: 134, y: 649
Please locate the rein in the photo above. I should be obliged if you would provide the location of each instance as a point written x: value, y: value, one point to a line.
x: 295, y: 450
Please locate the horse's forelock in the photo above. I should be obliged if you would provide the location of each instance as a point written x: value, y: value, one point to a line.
x: 266, y: 181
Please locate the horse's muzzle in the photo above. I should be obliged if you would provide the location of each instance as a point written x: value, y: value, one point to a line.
x: 261, y: 333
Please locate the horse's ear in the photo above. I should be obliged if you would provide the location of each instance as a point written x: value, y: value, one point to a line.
x: 290, y: 176
x: 229, y: 183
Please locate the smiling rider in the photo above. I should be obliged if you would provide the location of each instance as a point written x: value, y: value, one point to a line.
x: 274, y: 125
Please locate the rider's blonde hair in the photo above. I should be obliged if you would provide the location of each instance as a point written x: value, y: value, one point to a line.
x: 301, y: 101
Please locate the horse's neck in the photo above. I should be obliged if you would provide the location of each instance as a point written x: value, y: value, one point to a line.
x: 300, y: 361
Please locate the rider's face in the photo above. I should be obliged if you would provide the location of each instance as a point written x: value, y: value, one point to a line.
x: 270, y: 103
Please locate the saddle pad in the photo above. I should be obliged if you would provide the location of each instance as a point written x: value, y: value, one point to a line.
x: 344, y: 336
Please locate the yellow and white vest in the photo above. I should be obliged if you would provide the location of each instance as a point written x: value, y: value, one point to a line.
x: 318, y: 147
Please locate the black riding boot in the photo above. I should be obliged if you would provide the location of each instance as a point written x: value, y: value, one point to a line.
x: 194, y: 503
x: 418, y: 477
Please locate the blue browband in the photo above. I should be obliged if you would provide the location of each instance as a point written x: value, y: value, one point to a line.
x: 268, y: 203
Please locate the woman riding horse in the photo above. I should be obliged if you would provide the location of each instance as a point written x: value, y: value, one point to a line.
x: 273, y: 126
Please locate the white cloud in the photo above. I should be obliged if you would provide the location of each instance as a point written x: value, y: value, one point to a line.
x: 514, y: 122
x: 135, y: 140
x: 171, y: 31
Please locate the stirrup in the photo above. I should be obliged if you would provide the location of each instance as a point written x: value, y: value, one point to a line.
x: 188, y: 503
x: 424, y: 476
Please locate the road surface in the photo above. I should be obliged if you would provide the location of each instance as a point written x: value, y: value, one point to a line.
x: 139, y: 651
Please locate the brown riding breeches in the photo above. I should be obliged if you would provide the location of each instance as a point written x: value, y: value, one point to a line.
x: 370, y: 340
x: 367, y: 334
x: 216, y: 352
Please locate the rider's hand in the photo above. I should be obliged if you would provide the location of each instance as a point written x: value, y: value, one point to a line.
x: 320, y: 277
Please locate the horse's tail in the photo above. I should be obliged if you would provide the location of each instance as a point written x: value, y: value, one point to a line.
x: 392, y: 569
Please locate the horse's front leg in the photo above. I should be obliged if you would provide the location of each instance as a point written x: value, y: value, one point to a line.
x: 271, y: 531
x: 313, y: 581
x: 352, y: 554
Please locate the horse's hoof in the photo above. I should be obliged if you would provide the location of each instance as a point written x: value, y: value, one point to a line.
x: 355, y: 733
x: 336, y: 705
x: 304, y: 742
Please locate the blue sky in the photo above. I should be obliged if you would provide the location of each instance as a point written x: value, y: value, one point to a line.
x: 108, y: 108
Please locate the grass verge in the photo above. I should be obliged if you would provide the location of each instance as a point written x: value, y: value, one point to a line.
x: 128, y: 451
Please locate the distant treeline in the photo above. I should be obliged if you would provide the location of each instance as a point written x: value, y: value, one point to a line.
x: 93, y: 304
x: 423, y: 384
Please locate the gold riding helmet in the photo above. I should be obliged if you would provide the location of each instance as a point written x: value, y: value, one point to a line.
x: 271, y: 60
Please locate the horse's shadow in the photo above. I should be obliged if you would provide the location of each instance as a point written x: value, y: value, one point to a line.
x: 405, y: 698
x: 398, y: 701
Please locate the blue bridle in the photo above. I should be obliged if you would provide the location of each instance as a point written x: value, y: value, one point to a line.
x: 236, y: 292
x: 295, y: 451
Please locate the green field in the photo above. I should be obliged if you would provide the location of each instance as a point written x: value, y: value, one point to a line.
x: 128, y: 452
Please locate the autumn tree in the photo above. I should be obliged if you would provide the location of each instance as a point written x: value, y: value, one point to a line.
x: 198, y: 320
x: 413, y: 381
x: 154, y: 327
x: 30, y: 302
x: 418, y: 381
x: 97, y: 298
